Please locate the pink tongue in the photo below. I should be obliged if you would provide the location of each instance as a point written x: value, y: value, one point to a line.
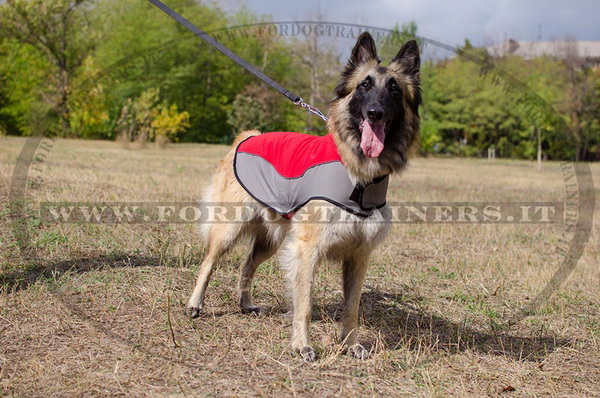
x: 372, y: 139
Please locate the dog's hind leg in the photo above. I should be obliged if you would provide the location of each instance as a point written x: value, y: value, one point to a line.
x: 354, y: 269
x: 220, y: 239
x: 262, y: 249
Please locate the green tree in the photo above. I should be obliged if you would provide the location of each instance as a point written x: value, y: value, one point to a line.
x: 190, y: 74
x: 23, y: 74
x: 60, y: 31
x: 249, y: 111
x: 147, y: 119
x: 579, y: 105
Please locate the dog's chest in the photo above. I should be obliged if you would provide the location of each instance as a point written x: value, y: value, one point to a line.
x: 351, y: 232
x: 285, y: 171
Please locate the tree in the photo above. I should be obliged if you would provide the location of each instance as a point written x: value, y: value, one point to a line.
x: 59, y: 30
x: 251, y: 109
x: 579, y: 105
x: 147, y: 119
x: 190, y: 73
x: 465, y: 112
x: 322, y: 66
x: 23, y: 71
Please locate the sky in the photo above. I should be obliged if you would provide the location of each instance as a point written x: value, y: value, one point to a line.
x: 484, y: 22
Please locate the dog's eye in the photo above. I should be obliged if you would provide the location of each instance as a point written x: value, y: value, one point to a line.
x: 394, y: 89
x: 365, y: 83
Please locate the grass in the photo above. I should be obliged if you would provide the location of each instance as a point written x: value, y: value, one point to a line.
x: 97, y: 310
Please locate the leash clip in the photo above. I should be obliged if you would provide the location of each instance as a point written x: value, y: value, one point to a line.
x: 310, y: 108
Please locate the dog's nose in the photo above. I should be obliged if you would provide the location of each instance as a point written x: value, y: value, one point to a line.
x: 375, y: 115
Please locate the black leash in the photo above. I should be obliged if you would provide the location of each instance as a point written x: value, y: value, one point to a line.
x: 239, y: 60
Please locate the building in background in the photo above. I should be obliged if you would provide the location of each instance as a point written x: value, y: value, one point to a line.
x: 588, y: 51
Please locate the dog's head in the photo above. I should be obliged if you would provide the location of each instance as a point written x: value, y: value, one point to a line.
x: 375, y: 111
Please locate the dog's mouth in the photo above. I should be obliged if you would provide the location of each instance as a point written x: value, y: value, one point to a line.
x: 372, y: 138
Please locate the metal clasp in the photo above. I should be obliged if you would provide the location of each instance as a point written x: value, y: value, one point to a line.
x: 311, y: 109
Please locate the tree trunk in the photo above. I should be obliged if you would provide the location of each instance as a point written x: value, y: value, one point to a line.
x: 576, y: 130
x: 63, y: 104
x: 63, y: 66
x: 539, y: 147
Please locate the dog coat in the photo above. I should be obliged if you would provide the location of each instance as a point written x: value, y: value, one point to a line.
x: 285, y: 171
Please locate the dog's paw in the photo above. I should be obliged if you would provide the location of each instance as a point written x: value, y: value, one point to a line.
x: 193, y: 312
x: 358, y: 351
x: 307, y: 353
x: 251, y: 309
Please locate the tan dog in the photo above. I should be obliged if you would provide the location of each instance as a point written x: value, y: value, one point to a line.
x: 374, y: 123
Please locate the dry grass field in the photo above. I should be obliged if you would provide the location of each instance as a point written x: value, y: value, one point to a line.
x: 97, y: 309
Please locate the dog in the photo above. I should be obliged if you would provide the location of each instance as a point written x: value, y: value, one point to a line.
x: 373, y: 128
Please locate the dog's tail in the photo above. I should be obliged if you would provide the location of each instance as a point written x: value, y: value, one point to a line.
x: 244, y: 135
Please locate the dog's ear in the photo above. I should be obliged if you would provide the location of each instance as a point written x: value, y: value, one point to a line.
x: 407, y: 60
x: 364, y: 50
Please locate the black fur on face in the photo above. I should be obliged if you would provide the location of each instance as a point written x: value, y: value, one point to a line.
x: 377, y: 99
x: 386, y: 96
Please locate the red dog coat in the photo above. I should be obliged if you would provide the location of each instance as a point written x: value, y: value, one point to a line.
x: 284, y: 171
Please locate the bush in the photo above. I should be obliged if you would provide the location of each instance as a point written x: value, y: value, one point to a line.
x: 145, y: 119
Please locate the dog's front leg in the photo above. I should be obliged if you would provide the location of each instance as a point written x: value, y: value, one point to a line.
x: 354, y: 270
x: 302, y: 282
x: 301, y: 260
